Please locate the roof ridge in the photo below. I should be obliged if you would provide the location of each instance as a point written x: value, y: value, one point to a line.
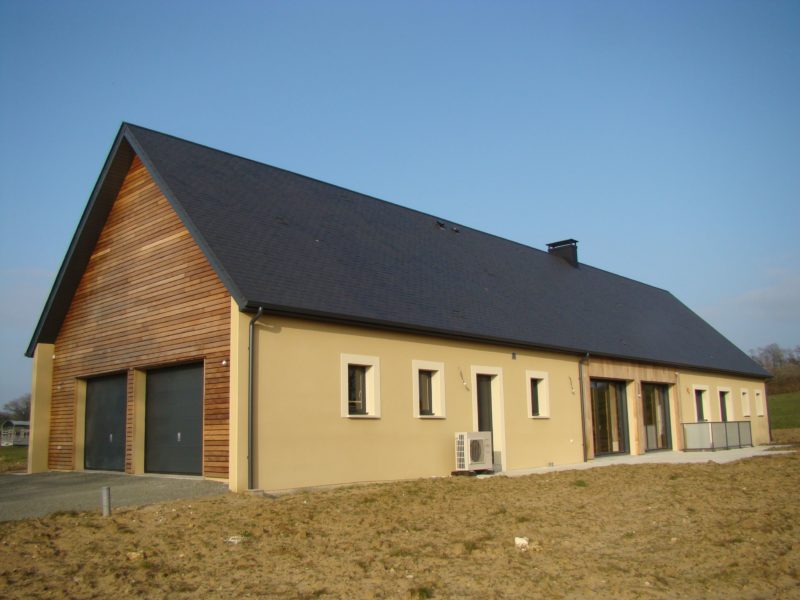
x: 343, y: 188
x: 389, y: 202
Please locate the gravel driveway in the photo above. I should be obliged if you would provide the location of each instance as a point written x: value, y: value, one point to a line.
x: 23, y: 496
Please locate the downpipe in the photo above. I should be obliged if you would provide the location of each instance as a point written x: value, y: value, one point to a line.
x: 250, y: 370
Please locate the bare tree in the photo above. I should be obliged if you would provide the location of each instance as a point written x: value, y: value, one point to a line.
x: 19, y: 409
x: 783, y: 364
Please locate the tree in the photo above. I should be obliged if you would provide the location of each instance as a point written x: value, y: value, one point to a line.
x: 783, y: 364
x: 19, y: 409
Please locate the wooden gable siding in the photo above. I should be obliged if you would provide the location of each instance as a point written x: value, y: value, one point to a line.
x: 148, y: 298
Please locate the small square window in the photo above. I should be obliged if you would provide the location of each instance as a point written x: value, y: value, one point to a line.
x: 428, y: 389
x: 360, y: 386
x: 538, y: 394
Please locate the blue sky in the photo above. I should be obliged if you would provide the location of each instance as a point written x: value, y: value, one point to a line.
x: 664, y: 136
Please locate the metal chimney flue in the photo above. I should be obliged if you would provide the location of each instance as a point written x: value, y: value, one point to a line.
x: 566, y: 249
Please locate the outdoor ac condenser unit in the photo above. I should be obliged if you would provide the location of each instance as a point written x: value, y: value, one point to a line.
x: 474, y: 451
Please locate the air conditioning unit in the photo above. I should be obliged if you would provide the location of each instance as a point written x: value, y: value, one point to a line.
x: 474, y: 451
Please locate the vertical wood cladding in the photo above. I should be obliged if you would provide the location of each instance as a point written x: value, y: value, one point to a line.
x: 147, y: 298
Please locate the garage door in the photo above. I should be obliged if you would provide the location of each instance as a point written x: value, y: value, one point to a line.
x: 104, y: 435
x: 174, y: 420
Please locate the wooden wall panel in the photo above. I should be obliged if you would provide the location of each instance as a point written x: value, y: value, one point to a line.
x: 148, y: 298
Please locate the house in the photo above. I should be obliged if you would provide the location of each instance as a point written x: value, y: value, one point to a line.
x: 221, y: 317
x: 14, y: 433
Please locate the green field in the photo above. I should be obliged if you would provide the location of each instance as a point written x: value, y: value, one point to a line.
x: 13, y: 458
x: 784, y: 410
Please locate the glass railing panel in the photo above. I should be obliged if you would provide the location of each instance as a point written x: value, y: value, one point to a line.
x: 697, y: 436
x: 732, y: 433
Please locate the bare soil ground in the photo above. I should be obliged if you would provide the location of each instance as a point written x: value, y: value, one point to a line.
x: 646, y: 531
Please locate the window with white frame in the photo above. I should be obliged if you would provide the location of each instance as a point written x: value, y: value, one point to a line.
x: 759, y: 403
x: 427, y: 384
x: 360, y: 386
x: 725, y: 404
x: 537, y: 389
x: 745, y: 403
x: 701, y: 408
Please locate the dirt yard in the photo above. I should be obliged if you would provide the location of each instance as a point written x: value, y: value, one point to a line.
x: 647, y: 531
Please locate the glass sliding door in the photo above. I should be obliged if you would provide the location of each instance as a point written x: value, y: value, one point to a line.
x: 655, y: 401
x: 609, y: 417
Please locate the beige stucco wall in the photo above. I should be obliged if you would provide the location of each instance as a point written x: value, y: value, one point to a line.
x: 688, y: 380
x: 237, y: 443
x: 41, y: 398
x: 302, y: 439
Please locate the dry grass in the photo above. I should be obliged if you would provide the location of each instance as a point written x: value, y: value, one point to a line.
x: 647, y: 531
x: 786, y: 436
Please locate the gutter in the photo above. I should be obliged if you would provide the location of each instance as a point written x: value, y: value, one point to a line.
x: 581, y: 362
x: 250, y: 436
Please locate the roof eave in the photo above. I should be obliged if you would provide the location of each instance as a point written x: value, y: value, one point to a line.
x: 460, y: 335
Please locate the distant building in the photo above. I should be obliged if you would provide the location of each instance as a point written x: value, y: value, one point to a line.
x: 220, y: 317
x: 14, y: 433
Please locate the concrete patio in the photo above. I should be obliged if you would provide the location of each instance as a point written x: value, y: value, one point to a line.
x: 663, y: 457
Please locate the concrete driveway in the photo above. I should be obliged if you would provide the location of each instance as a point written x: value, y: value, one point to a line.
x: 23, y: 496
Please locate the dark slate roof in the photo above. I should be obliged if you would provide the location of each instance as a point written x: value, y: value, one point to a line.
x: 299, y: 246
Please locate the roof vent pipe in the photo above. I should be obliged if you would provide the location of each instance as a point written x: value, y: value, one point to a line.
x: 566, y: 249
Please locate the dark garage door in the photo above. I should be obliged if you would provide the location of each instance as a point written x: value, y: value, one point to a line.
x: 104, y: 436
x: 174, y: 420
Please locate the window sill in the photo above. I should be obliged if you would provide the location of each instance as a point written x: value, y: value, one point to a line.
x: 361, y: 417
x: 540, y: 417
x: 430, y: 417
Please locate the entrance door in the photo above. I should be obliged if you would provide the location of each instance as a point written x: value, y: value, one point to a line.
x: 484, y: 403
x: 484, y: 387
x: 655, y: 404
x: 609, y: 417
x: 104, y: 434
x: 174, y: 420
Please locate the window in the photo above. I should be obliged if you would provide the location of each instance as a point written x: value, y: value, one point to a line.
x: 360, y: 386
x: 536, y: 386
x: 428, y: 389
x: 535, y: 397
x: 701, y: 410
x: 426, y: 392
x: 356, y: 389
x: 759, y: 403
x: 725, y: 411
x: 745, y: 404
